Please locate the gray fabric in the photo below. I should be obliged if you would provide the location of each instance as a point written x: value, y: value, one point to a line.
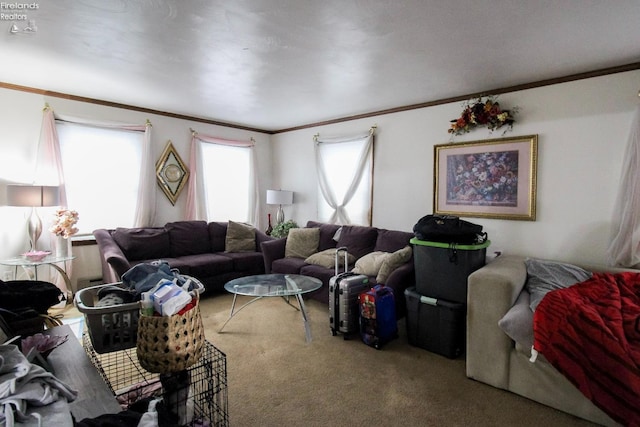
x: 544, y: 276
x: 518, y: 321
x: 24, y: 384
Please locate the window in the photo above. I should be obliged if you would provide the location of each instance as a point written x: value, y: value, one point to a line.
x: 102, y: 173
x: 227, y: 178
x: 345, y: 178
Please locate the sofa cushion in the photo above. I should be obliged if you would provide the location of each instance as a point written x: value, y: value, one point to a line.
x: 392, y: 262
x: 322, y: 273
x: 217, y: 236
x: 142, y: 243
x: 204, y: 265
x: 247, y: 262
x: 358, y: 239
x: 544, y: 276
x: 517, y: 323
x: 327, y: 231
x: 240, y: 237
x: 392, y: 240
x: 370, y: 263
x: 327, y: 259
x: 287, y: 265
x: 188, y: 238
x: 302, y: 242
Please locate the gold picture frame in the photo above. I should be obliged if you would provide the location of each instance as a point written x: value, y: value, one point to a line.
x: 493, y: 178
x: 171, y: 172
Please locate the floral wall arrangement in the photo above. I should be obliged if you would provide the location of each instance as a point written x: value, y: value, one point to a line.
x: 482, y: 111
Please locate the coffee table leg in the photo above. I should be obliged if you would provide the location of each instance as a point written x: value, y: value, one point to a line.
x: 305, y: 318
x: 232, y: 313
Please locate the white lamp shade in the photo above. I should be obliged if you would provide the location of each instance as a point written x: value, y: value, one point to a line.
x: 279, y: 197
x: 32, y: 195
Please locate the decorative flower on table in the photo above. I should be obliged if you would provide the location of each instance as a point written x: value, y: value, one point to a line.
x: 482, y: 112
x: 64, y: 223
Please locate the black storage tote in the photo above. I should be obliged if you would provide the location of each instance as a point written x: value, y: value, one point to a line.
x: 435, y: 324
x: 442, y: 269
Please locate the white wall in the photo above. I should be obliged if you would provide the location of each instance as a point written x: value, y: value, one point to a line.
x: 582, y: 130
x: 20, y: 121
x: 582, y: 127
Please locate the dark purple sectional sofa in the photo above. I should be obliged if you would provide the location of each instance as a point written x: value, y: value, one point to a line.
x: 195, y: 248
x: 359, y: 241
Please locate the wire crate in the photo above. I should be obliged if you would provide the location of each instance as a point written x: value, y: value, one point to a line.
x: 204, y: 402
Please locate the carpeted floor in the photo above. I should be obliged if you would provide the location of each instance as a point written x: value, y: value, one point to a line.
x: 276, y: 379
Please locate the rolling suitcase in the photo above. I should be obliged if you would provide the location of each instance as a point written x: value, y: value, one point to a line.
x: 344, y: 289
x: 378, y: 323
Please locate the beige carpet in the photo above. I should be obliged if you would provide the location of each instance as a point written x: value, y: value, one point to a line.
x: 276, y: 379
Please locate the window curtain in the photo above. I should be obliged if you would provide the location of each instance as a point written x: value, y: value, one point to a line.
x: 49, y: 169
x: 50, y: 163
x: 624, y: 248
x: 196, y: 196
x: 340, y: 215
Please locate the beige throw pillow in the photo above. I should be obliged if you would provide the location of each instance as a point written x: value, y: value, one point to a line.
x: 240, y: 237
x: 302, y: 242
x: 370, y: 264
x: 393, y: 261
x: 327, y: 259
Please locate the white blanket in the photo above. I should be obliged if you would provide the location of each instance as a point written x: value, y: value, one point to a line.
x: 25, y: 386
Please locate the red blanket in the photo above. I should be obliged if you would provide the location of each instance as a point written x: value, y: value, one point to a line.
x: 590, y: 332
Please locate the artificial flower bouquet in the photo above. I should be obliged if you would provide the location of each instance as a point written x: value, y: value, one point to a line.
x: 64, y: 223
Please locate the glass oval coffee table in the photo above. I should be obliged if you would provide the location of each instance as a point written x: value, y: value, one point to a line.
x: 273, y: 285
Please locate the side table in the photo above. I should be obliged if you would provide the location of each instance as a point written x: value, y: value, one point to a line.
x: 50, y: 260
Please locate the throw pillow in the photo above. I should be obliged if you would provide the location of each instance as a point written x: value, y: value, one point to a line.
x: 370, y: 264
x: 240, y: 237
x: 544, y: 276
x: 392, y: 262
x: 358, y: 240
x: 517, y: 323
x: 302, y: 242
x: 327, y: 258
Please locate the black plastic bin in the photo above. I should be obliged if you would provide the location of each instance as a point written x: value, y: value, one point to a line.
x: 435, y: 324
x: 442, y: 269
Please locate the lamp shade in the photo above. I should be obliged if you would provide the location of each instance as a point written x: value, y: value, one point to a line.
x: 279, y: 197
x: 32, y: 195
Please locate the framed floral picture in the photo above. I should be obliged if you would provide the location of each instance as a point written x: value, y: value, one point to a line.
x: 494, y: 178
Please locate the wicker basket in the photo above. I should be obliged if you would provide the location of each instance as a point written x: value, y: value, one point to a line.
x: 110, y: 328
x: 168, y: 344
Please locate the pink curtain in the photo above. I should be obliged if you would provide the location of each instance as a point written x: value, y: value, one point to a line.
x: 196, y: 196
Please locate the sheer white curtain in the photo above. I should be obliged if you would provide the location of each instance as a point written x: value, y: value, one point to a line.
x: 197, y: 200
x: 49, y: 169
x: 344, y: 168
x: 624, y: 249
x: 50, y: 163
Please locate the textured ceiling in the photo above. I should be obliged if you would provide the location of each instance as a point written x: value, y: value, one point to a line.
x: 277, y: 64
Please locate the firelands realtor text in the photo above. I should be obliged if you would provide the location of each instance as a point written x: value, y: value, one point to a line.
x: 15, y: 11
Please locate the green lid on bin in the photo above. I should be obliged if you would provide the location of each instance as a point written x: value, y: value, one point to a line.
x: 419, y: 242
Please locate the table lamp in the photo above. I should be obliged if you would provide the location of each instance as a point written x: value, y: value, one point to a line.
x: 279, y: 197
x: 33, y: 196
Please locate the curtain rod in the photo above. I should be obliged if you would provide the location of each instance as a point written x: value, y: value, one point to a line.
x: 372, y: 130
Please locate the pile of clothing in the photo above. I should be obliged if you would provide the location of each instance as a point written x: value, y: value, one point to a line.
x: 28, y: 392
